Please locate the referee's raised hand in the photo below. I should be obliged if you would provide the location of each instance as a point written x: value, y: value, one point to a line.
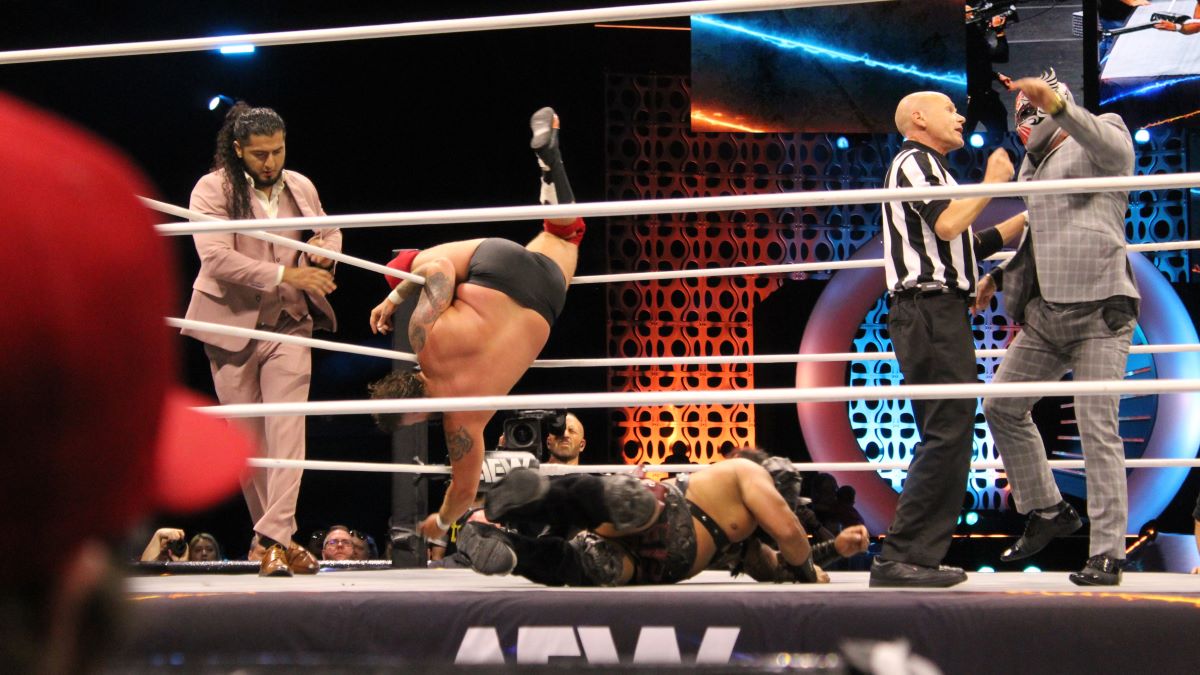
x: 999, y: 167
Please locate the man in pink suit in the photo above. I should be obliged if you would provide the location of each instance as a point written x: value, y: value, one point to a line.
x: 250, y: 283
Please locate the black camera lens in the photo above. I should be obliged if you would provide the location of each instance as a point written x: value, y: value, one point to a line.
x: 177, y: 547
x: 521, y: 435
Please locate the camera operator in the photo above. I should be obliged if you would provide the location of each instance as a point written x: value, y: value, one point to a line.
x: 566, y: 448
x: 167, y: 544
x: 984, y: 105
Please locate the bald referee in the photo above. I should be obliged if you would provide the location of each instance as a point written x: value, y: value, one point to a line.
x: 929, y: 258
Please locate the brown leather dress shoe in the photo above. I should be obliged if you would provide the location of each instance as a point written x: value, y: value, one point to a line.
x: 300, y: 561
x: 274, y: 563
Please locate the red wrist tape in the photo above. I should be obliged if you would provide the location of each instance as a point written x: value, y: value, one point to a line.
x: 403, y: 262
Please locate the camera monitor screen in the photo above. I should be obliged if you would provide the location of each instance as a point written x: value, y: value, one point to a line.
x: 1150, y: 62
x: 824, y: 69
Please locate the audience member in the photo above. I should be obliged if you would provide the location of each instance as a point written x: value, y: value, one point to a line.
x: 203, y: 547
x: 77, y: 242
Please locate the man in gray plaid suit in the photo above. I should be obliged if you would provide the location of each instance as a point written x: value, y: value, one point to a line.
x: 1072, y: 287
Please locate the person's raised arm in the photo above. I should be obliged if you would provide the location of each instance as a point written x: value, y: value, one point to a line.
x: 1105, y: 139
x: 961, y: 213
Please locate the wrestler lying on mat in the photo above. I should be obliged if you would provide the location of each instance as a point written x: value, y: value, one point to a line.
x: 484, y: 314
x: 647, y: 532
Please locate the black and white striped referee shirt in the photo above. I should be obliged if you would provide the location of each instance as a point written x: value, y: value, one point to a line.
x: 913, y: 254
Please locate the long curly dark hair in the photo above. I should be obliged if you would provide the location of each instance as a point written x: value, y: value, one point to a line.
x: 241, y: 122
x: 396, y: 384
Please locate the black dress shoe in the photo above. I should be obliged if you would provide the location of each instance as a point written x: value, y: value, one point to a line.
x: 1039, y: 531
x: 889, y: 573
x: 1100, y: 570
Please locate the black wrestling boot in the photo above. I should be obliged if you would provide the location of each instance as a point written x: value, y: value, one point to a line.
x: 556, y: 189
x: 1039, y: 531
x: 1100, y: 570
x: 523, y: 488
x: 574, y: 502
x: 488, y: 549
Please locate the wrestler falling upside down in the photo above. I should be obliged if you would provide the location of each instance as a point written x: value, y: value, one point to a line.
x: 483, y: 315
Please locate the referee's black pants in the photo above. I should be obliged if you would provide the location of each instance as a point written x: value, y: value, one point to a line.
x: 932, y: 337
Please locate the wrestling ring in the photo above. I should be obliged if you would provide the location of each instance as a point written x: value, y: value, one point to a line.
x: 446, y: 616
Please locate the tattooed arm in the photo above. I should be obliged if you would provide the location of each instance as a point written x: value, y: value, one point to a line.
x: 436, y: 295
x: 464, y: 443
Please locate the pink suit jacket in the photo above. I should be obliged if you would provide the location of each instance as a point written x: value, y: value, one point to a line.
x: 238, y: 272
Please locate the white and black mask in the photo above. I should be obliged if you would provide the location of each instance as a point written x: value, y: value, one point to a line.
x: 1035, y: 127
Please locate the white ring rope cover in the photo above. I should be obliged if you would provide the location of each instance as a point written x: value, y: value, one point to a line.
x: 436, y: 27
x: 563, y: 469
x: 614, y: 362
x: 708, y: 397
x: 777, y: 200
x: 181, y: 212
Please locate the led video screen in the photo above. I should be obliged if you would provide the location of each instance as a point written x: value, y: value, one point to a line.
x: 1150, y: 62
x: 825, y: 69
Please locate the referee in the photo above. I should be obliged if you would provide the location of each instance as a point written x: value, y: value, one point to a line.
x: 929, y: 257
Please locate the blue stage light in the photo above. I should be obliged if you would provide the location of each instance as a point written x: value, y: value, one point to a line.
x: 972, y: 518
x: 976, y: 140
x: 237, y: 49
x: 219, y: 100
x: 1141, y: 136
x: 842, y: 142
x: 987, y: 568
x: 1149, y: 88
x: 1032, y: 569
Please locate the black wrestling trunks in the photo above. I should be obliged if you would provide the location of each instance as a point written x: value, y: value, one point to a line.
x: 531, y: 279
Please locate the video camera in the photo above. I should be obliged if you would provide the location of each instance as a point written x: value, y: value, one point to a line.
x: 526, y: 430
x: 984, y: 13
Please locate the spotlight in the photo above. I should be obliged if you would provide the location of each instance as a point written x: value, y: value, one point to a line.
x: 977, y: 140
x: 842, y: 142
x: 218, y: 101
x: 236, y: 50
x: 1142, y: 136
x: 972, y: 518
x: 987, y: 568
x: 1032, y: 569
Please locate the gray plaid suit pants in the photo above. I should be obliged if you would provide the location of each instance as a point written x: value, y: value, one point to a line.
x: 1055, y: 340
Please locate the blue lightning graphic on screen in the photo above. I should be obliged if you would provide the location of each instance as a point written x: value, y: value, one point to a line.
x: 1154, y: 86
x: 832, y: 54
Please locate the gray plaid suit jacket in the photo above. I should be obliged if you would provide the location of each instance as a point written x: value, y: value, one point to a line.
x: 1074, y: 248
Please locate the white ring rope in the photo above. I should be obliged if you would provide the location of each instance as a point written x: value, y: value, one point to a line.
x: 271, y: 336
x: 615, y: 362
x: 181, y: 212
x: 789, y: 268
x: 563, y: 469
x: 778, y: 200
x: 437, y: 27
x: 708, y: 397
